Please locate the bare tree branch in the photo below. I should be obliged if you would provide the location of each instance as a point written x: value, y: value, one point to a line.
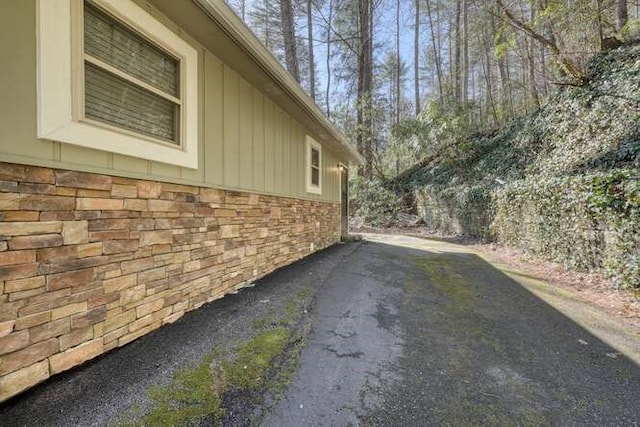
x: 565, y: 63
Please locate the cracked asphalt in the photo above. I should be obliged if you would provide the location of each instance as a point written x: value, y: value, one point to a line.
x: 412, y: 331
x: 405, y: 331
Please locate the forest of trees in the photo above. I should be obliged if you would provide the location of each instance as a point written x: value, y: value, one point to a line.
x: 403, y: 78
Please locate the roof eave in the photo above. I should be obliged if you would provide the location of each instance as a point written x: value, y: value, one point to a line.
x: 231, y: 24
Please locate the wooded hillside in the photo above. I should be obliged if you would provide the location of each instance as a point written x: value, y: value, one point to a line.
x: 562, y: 182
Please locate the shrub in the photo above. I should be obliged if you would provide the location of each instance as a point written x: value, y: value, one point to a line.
x: 373, y: 203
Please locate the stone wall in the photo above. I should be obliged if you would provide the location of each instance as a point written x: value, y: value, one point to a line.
x: 91, y: 262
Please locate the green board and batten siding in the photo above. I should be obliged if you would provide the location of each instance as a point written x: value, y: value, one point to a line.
x: 246, y: 142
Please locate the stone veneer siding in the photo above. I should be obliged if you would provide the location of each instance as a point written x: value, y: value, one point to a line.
x: 91, y: 262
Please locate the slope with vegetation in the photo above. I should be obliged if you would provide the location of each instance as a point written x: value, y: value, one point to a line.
x: 562, y: 182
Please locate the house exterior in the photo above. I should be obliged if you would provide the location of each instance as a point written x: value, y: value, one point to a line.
x: 153, y: 157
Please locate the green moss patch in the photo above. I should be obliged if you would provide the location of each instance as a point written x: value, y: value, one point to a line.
x: 189, y: 398
x: 264, y: 364
x: 446, y: 279
x: 255, y: 358
x: 195, y: 394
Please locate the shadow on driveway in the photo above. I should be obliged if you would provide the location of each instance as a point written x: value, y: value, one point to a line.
x: 421, y: 332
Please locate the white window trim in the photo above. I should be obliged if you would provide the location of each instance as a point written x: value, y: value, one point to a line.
x: 60, y: 66
x: 312, y: 143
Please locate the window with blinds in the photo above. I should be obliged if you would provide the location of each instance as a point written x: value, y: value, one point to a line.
x: 114, y: 78
x: 129, y: 82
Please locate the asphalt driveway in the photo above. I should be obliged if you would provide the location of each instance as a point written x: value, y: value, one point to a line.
x: 113, y: 389
x: 419, y: 332
x: 403, y: 331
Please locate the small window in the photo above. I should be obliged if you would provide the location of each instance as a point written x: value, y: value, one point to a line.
x: 314, y: 160
x: 114, y: 78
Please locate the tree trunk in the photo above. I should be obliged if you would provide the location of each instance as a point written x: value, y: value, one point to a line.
x: 622, y: 14
x: 416, y: 57
x: 328, y: 92
x: 365, y: 77
x: 548, y: 29
x: 288, y: 34
x: 486, y: 68
x: 457, y: 71
x: 533, y: 88
x: 267, y: 27
x: 435, y: 42
x: 598, y: 24
x: 312, y: 63
x: 532, y: 76
x: 464, y: 90
x: 398, y: 65
x: 373, y: 148
x: 505, y: 85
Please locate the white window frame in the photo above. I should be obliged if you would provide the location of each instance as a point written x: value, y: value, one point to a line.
x: 313, y: 144
x: 61, y: 83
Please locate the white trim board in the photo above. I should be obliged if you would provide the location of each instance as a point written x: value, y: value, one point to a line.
x: 58, y: 96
